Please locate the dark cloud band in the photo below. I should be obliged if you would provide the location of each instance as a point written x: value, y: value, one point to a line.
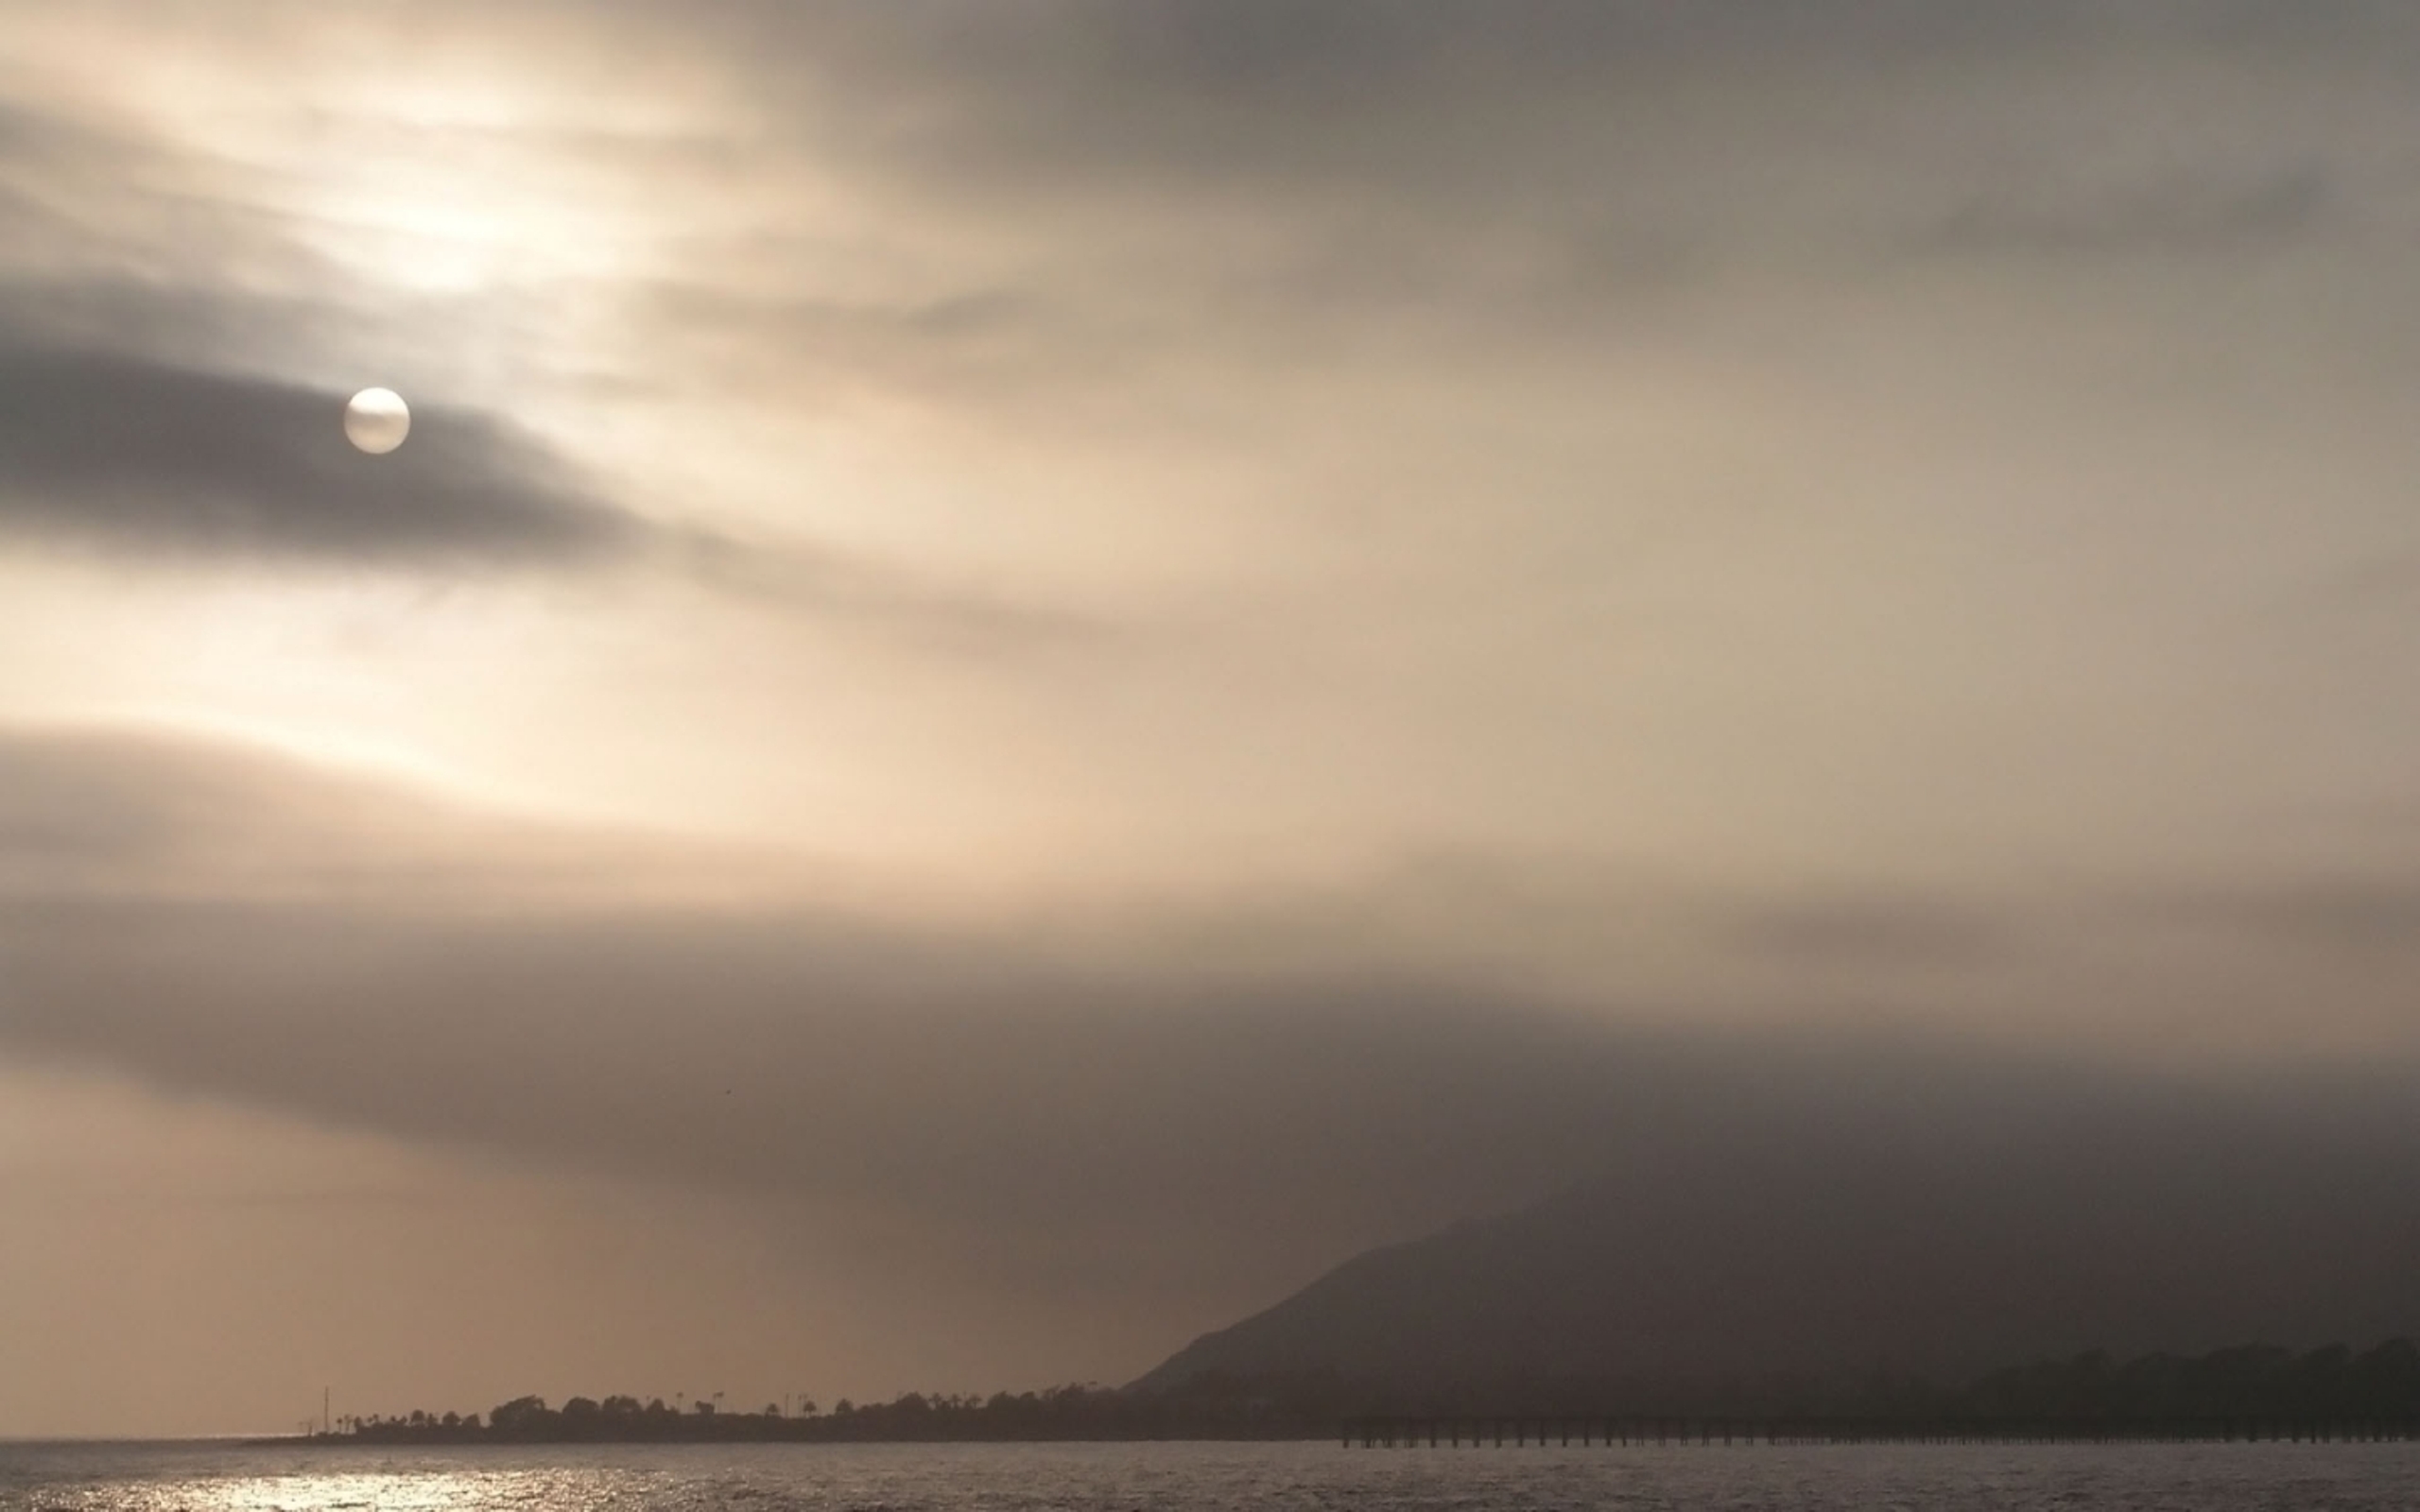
x: 133, y: 454
x: 989, y: 1098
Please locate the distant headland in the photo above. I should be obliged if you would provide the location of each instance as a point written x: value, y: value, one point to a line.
x: 2252, y: 1391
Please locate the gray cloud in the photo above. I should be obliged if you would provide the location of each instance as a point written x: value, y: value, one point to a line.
x: 1535, y: 98
x: 143, y: 408
x: 986, y: 342
x: 2374, y: 915
x: 149, y: 409
x: 958, y: 1083
x: 1198, y: 181
x: 1901, y: 932
x: 1201, y: 1134
x: 1714, y: 430
x: 959, y: 620
x: 136, y: 454
x: 2178, y: 217
x: 1205, y: 1147
x: 109, y: 448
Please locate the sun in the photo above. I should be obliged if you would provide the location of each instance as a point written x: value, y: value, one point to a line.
x: 376, y: 420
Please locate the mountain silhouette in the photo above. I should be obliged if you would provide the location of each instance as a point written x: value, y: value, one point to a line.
x: 1746, y: 1262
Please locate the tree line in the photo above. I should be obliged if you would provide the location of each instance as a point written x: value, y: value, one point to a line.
x: 1066, y: 1411
x: 2254, y: 1382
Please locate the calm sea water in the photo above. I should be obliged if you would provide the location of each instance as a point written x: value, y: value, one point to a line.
x: 1083, y: 1477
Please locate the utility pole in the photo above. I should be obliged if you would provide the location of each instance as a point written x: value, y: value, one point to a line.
x: 323, y: 1408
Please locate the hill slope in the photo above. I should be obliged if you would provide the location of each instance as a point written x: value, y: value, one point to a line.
x: 1715, y: 1264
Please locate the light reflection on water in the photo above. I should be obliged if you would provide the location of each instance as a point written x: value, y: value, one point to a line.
x: 1102, y: 1477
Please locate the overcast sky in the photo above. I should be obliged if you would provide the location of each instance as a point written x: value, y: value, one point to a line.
x: 1036, y: 667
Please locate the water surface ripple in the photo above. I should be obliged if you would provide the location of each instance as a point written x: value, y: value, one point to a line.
x: 1213, y: 1477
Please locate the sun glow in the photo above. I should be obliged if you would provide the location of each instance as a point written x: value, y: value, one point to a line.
x: 309, y: 743
x: 454, y: 210
x: 424, y: 175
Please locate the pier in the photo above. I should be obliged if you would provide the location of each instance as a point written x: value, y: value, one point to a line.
x: 1523, y: 1432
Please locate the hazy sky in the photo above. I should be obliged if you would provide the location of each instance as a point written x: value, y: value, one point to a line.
x: 1036, y: 667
